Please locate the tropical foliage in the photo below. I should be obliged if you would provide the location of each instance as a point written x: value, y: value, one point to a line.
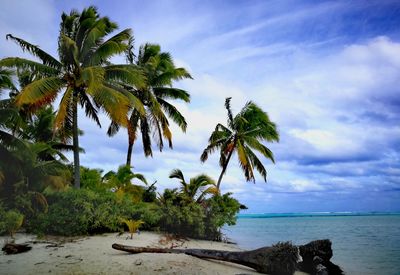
x: 133, y: 225
x: 197, y: 188
x: 10, y: 221
x: 189, y: 212
x: 35, y: 174
x: 82, y: 73
x: 243, y: 134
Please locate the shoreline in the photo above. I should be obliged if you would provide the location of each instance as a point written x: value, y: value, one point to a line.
x: 94, y: 255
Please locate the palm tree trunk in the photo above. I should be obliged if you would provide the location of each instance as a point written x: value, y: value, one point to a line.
x: 75, y: 143
x: 224, y: 168
x: 129, y: 154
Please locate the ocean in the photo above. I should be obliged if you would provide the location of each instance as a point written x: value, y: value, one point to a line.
x: 362, y: 243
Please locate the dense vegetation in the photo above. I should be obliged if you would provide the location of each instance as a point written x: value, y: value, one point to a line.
x: 44, y: 193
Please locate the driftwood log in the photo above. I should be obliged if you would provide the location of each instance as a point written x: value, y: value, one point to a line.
x: 13, y: 248
x: 279, y: 259
x: 316, y: 257
x: 282, y: 258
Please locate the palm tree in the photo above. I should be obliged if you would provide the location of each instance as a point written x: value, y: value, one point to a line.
x: 244, y: 133
x: 83, y: 74
x: 160, y: 72
x: 121, y: 182
x: 122, y: 178
x: 197, y: 188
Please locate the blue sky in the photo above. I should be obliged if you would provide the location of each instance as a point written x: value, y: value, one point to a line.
x: 327, y: 72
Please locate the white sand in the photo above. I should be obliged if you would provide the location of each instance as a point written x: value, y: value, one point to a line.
x: 94, y: 255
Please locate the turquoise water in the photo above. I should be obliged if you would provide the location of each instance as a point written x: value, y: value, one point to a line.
x: 362, y: 243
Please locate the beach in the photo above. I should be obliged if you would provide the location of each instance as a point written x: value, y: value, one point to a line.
x: 94, y: 255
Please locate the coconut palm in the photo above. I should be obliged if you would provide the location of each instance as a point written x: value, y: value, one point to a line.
x: 243, y: 134
x: 160, y: 72
x: 197, y: 188
x: 121, y: 182
x: 83, y: 74
x: 122, y: 178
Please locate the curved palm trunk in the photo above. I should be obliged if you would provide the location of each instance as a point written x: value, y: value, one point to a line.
x: 75, y: 143
x: 129, y: 154
x: 224, y: 168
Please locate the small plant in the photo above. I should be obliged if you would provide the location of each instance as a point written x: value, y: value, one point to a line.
x: 13, y: 221
x: 133, y: 225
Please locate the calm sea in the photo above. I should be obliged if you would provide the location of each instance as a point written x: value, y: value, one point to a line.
x: 362, y: 243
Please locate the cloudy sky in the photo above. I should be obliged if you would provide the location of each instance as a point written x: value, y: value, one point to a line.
x: 327, y: 72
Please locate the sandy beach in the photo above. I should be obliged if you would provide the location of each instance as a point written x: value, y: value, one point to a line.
x: 94, y: 255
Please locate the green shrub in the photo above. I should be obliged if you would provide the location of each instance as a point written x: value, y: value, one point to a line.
x: 197, y: 220
x: 80, y: 212
x: 186, y: 220
x: 10, y: 221
x: 220, y: 210
x: 91, y: 179
x: 150, y: 213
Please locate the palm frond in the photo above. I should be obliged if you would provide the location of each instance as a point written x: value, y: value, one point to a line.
x: 140, y: 177
x: 26, y: 64
x: 256, y: 145
x: 93, y: 78
x: 171, y: 93
x: 228, y: 109
x: 256, y: 163
x: 167, y: 132
x: 127, y: 74
x: 40, y: 92
x: 115, y: 45
x: 6, y: 80
x: 174, y: 114
x: 113, y: 129
x: 114, y: 103
x: 133, y: 101
x: 177, y: 173
x: 220, y: 132
x: 94, y: 36
x: 244, y: 163
x: 64, y: 114
x: 90, y: 110
x: 181, y: 73
x: 211, y: 148
x: 46, y: 58
x: 68, y: 51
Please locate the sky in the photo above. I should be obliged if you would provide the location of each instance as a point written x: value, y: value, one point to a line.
x: 326, y: 72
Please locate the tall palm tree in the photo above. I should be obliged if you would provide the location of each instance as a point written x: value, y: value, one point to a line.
x: 160, y: 72
x: 83, y: 74
x: 197, y: 188
x: 243, y: 134
x: 123, y: 177
x: 121, y: 182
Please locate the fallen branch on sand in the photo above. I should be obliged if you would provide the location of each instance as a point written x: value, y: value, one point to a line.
x: 13, y: 248
x: 281, y: 258
x: 278, y: 259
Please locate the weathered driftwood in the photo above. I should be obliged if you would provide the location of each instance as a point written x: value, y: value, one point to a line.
x: 279, y: 259
x: 13, y: 248
x: 316, y: 257
x: 282, y: 258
